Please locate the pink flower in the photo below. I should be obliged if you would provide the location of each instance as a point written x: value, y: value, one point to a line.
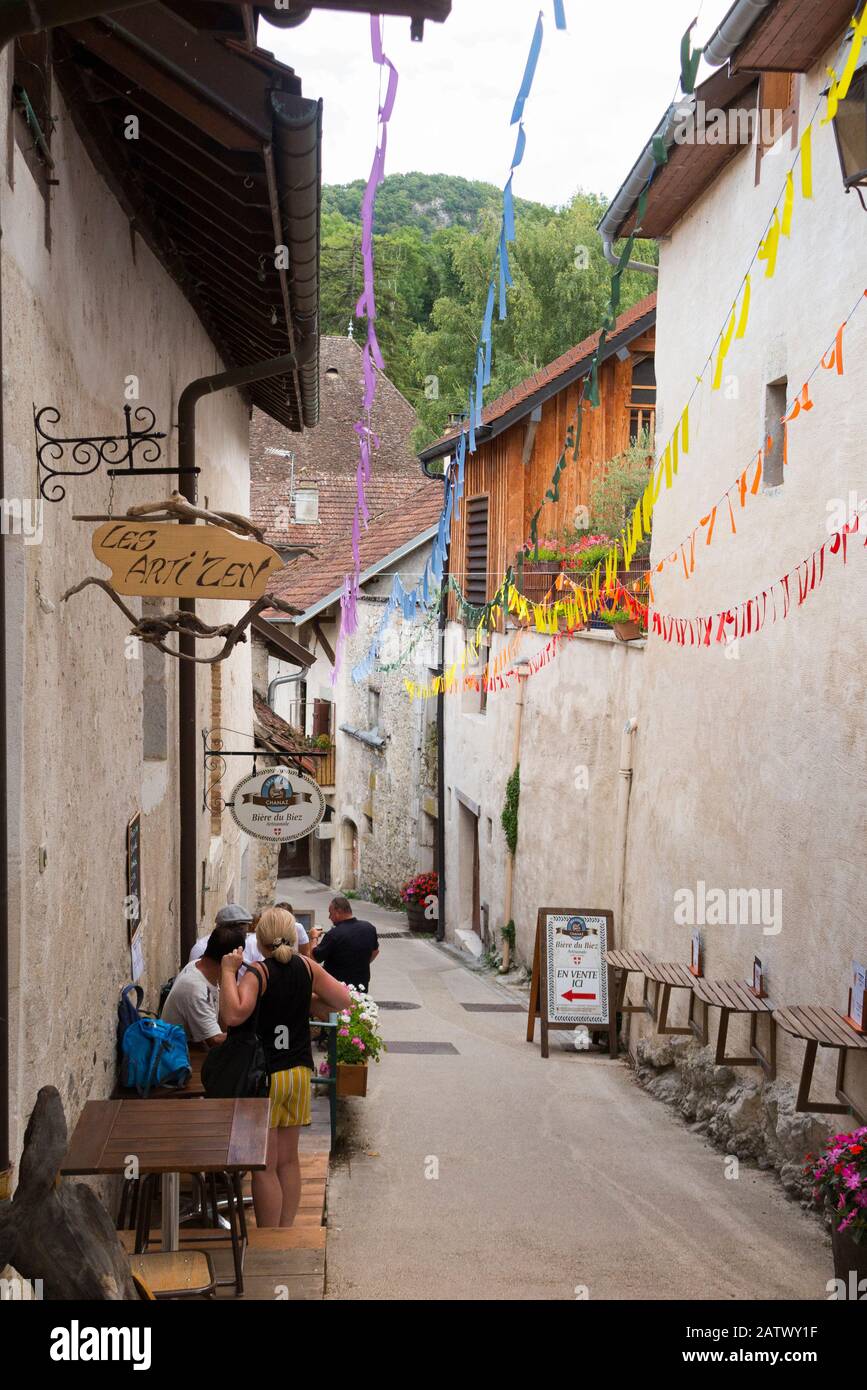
x: 343, y: 1032
x: 356, y: 1042
x: 323, y: 1068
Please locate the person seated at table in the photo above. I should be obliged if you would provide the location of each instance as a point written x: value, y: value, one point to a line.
x: 193, y: 999
x: 288, y: 981
x: 235, y: 915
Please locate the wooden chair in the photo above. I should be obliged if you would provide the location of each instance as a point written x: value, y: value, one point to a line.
x: 174, y: 1274
x: 734, y: 997
x: 668, y: 975
x: 820, y: 1027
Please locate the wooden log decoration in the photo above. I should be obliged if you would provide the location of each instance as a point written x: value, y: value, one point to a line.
x: 154, y: 630
x: 57, y: 1230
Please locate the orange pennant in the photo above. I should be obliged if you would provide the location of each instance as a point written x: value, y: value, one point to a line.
x: 834, y: 357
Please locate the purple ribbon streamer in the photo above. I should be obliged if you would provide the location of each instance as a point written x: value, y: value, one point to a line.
x: 372, y: 355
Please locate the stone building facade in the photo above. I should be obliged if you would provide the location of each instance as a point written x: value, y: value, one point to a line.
x: 93, y: 319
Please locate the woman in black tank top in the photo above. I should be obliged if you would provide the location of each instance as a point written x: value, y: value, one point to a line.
x: 282, y: 986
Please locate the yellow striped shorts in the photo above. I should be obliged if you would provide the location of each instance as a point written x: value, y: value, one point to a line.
x: 290, y: 1098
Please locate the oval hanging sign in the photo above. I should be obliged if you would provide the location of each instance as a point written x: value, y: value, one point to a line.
x: 278, y: 804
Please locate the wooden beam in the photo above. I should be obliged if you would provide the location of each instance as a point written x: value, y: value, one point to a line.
x: 530, y: 435
x: 324, y: 642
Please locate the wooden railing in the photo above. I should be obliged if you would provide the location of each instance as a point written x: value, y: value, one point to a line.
x: 325, y: 769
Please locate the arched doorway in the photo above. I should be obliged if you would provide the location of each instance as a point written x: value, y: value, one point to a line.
x: 349, y: 855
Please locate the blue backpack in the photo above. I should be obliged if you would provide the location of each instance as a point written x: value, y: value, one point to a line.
x: 155, y: 1053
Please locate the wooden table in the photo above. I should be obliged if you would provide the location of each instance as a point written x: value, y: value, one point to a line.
x: 165, y: 1138
x: 820, y: 1027
x: 627, y: 963
x: 736, y: 997
x: 668, y: 975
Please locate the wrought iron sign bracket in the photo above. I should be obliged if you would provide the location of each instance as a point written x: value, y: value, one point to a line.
x: 118, y: 452
x: 214, y: 763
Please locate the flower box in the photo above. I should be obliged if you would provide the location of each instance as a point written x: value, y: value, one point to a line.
x: 352, y: 1079
x: 850, y: 1256
x: 416, y: 916
x: 627, y: 632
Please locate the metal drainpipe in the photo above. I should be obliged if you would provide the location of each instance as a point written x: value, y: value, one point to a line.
x: 441, y: 761
x: 282, y: 680
x: 522, y: 672
x: 26, y: 17
x: 188, y: 752
x: 441, y: 725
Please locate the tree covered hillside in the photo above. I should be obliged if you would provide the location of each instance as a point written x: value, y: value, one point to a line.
x: 435, y: 239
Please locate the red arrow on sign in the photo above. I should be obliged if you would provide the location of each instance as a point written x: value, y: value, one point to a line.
x: 570, y: 995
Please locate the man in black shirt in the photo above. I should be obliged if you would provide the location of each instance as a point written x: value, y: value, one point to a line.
x: 348, y: 949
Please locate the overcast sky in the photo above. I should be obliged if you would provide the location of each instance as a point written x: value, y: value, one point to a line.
x: 599, y: 91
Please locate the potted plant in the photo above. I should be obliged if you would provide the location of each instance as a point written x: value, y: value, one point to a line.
x: 420, y: 897
x: 622, y: 624
x: 839, y: 1177
x: 358, y: 1043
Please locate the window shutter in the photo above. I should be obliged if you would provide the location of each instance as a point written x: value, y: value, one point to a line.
x: 477, y: 550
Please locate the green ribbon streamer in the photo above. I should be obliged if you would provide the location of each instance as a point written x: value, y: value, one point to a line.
x: 658, y: 150
x: 689, y: 60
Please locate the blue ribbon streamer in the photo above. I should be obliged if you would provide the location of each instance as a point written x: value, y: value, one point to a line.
x: 529, y: 72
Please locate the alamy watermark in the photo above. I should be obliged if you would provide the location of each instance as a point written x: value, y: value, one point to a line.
x: 699, y: 124
x: 22, y: 516
x: 729, y: 907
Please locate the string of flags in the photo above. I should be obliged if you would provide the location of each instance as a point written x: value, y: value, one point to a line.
x: 773, y: 604
x: 735, y: 325
x: 499, y: 281
x: 371, y: 355
x: 747, y: 484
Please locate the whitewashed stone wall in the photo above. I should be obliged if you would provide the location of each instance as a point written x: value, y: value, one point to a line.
x: 77, y: 321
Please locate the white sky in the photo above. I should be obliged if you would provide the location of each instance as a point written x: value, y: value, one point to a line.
x: 599, y: 91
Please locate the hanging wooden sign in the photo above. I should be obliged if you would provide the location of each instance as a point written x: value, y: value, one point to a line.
x: 161, y: 559
x: 571, y: 985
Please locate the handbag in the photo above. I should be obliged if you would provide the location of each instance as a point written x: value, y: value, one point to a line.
x: 237, y: 1067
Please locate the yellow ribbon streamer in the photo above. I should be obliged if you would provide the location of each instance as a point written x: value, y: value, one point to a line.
x: 725, y: 344
x: 806, y: 148
x: 745, y: 309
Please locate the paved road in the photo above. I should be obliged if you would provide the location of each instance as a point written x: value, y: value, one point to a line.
x: 551, y: 1174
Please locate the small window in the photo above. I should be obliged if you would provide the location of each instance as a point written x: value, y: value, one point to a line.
x: 373, y: 708
x: 306, y: 505
x: 775, y: 432
x: 642, y: 401
x: 776, y: 113
x: 477, y: 551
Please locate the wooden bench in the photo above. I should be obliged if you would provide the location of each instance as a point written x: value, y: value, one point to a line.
x: 820, y: 1027
x: 735, y: 997
x: 627, y: 963
x: 668, y: 975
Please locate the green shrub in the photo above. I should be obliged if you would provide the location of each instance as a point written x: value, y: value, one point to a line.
x: 509, y: 816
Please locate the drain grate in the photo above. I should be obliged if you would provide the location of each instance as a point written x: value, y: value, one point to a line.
x: 425, y: 1047
x: 396, y: 1004
x: 394, y: 935
x: 494, y: 1008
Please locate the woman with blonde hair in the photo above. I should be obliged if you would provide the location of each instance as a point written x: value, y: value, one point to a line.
x: 282, y: 986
